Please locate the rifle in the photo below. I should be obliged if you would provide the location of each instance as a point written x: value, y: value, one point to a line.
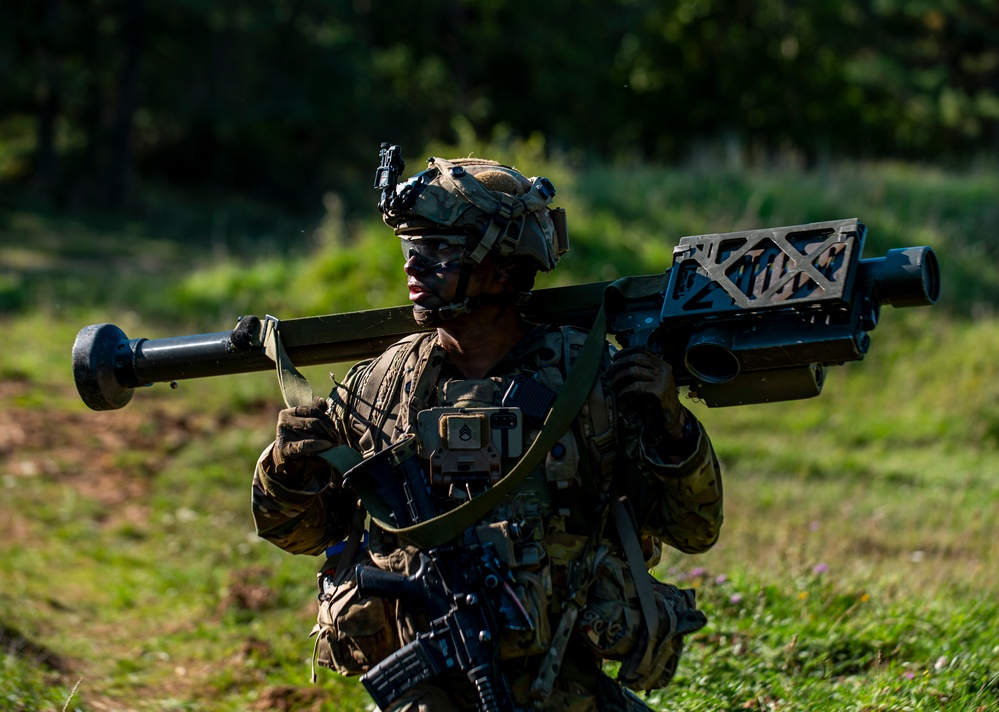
x: 457, y: 588
x: 462, y: 635
x: 744, y: 317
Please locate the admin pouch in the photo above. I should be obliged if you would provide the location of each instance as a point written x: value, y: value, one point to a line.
x: 352, y: 632
x: 612, y: 624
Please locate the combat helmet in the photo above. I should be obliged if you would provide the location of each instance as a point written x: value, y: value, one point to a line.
x: 494, y: 207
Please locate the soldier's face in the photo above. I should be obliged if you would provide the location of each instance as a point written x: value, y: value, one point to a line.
x: 432, y: 276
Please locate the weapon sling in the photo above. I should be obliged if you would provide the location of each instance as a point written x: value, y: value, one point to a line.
x: 434, y: 532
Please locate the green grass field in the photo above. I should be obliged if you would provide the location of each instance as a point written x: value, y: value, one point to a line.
x: 857, y: 568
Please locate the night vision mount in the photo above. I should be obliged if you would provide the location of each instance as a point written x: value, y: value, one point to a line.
x: 387, y: 177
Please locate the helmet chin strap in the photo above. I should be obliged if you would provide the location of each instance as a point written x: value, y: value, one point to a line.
x: 458, y: 306
x: 461, y: 303
x: 436, y: 316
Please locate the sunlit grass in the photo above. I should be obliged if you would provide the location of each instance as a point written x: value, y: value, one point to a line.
x: 856, y: 569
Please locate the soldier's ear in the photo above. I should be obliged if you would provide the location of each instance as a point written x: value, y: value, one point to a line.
x: 516, y: 273
x: 505, y: 270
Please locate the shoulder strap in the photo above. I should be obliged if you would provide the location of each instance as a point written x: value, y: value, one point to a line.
x: 435, y: 532
x: 625, y: 521
x: 295, y: 388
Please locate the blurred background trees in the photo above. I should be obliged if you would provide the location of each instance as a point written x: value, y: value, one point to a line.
x: 284, y: 100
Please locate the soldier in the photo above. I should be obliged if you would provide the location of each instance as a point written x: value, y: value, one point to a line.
x: 565, y: 553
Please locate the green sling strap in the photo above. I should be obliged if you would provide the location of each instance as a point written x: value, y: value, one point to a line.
x: 435, y: 532
x: 296, y: 390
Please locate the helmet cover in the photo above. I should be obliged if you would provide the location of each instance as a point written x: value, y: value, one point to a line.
x: 498, y: 208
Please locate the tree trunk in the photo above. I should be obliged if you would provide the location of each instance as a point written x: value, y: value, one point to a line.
x: 45, y: 163
x: 119, y: 172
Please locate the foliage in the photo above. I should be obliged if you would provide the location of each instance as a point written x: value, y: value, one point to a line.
x: 856, y: 569
x: 205, y: 265
x: 288, y: 100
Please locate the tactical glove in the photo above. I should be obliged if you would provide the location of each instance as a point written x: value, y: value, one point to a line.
x: 646, y: 389
x: 302, y: 433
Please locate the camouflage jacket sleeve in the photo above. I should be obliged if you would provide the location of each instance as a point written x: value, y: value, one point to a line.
x: 681, y: 494
x: 302, y: 517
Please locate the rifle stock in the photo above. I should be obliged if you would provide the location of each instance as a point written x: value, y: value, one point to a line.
x: 744, y: 317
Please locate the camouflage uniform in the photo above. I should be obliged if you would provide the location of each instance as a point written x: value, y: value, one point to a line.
x: 572, y: 589
x: 543, y: 528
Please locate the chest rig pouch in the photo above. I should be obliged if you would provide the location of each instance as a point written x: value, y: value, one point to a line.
x: 467, y: 440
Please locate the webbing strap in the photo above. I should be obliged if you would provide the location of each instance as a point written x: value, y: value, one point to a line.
x: 341, y: 457
x: 498, y: 227
x: 551, y: 664
x: 439, y: 530
x: 639, y: 574
x: 295, y: 388
x: 434, y: 532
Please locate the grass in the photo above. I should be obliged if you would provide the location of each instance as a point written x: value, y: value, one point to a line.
x: 856, y: 570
